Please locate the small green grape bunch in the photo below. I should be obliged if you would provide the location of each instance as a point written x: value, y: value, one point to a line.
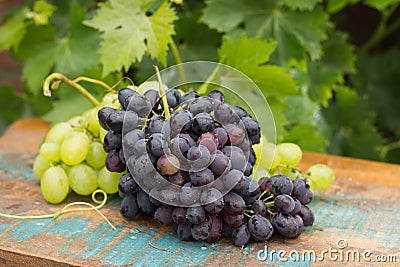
x: 284, y: 159
x: 72, y: 157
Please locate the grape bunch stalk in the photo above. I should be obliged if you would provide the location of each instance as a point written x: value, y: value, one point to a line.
x: 187, y: 160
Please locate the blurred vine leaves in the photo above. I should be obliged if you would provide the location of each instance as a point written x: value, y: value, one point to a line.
x: 326, y: 94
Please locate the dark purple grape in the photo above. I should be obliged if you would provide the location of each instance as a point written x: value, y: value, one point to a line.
x: 307, y: 215
x: 220, y: 165
x: 179, y: 178
x: 301, y: 191
x: 199, y: 157
x: 184, y: 232
x: 144, y: 204
x: 226, y: 230
x: 115, y: 120
x: 173, y: 98
x: 252, y: 156
x: 140, y: 147
x: 121, y: 155
x: 139, y: 104
x: 158, y: 124
x: 188, y: 196
x: 163, y: 214
x: 168, y: 164
x: 202, y: 231
x: 114, y: 163
x: 187, y: 97
x: 269, y: 182
x: 123, y: 95
x: 170, y: 194
x: 284, y: 203
x: 142, y: 166
x: 252, y: 128
x: 306, y: 199
x: 223, y: 113
x: 202, y: 177
x: 181, y: 121
x: 282, y: 185
x: 153, y: 96
x: 260, y: 228
x: 217, y: 95
x: 103, y: 114
x: 201, y: 104
x: 234, y: 204
x: 249, y: 169
x: 240, y: 112
x: 297, y: 207
x: 212, y: 200
x: 196, y: 214
x: 285, y: 225
x: 300, y: 224
x: 131, y: 121
x: 127, y: 184
x: 202, y: 123
x: 179, y: 215
x: 208, y: 140
x: 259, y: 208
x: 221, y: 135
x: 236, y: 134
x: 112, y: 141
x: 238, y: 160
x: 233, y: 220
x: 129, y: 142
x: 216, y: 228
x: 241, y: 235
x: 156, y: 144
x: 129, y: 207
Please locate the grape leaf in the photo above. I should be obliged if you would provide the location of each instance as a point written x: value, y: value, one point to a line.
x: 71, y: 54
x: 352, y: 126
x: 334, y: 6
x: 128, y: 32
x: 296, y: 32
x: 248, y: 56
x: 300, y: 4
x: 380, y: 4
x: 11, y: 105
x: 308, y: 137
x: 13, y: 31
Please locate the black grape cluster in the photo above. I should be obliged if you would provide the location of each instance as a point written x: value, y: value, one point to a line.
x: 192, y: 169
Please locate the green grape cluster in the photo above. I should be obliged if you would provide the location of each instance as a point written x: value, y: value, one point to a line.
x: 283, y: 159
x: 72, y: 157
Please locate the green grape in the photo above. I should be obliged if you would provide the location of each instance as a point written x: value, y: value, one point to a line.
x: 290, y: 172
x: 82, y: 179
x: 102, y: 134
x: 58, y: 132
x: 50, y: 151
x: 108, y: 181
x: 93, y: 122
x: 96, y: 155
x: 40, y: 165
x: 78, y: 123
x: 75, y: 148
x: 258, y: 172
x: 267, y: 157
x: 110, y: 99
x: 54, y: 185
x: 321, y: 176
x: 290, y: 154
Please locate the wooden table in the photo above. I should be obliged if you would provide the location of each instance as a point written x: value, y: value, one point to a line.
x: 360, y: 213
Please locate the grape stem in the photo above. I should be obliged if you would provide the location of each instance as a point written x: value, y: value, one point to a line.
x: 58, y: 77
x: 67, y: 209
x: 163, y: 95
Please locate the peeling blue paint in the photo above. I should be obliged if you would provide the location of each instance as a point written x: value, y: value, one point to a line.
x: 68, y: 227
x: 27, y: 229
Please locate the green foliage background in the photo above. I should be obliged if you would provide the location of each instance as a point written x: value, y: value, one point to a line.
x: 327, y: 94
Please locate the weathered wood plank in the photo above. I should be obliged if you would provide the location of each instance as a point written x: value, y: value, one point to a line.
x: 361, y: 208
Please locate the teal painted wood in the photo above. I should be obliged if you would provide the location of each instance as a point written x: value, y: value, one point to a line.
x: 367, y: 218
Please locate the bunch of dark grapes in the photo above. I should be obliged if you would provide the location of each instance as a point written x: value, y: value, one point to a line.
x: 191, y: 168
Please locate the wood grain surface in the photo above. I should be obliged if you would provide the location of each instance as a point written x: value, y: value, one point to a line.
x: 361, y: 210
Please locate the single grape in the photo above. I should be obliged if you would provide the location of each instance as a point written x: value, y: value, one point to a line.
x: 93, y: 122
x: 285, y: 224
x: 233, y: 220
x: 103, y: 114
x: 282, y: 185
x: 153, y: 96
x: 168, y: 164
x: 96, y: 155
x: 222, y: 136
x: 259, y: 208
x: 188, y: 196
x: 199, y: 157
x: 112, y: 141
x: 159, y: 124
x: 241, y: 235
x: 58, y: 132
x: 307, y: 215
x: 163, y: 214
x: 209, y: 140
x: 226, y: 230
x: 300, y: 224
x: 181, y: 121
x: 202, y: 177
x: 144, y: 204
x: 82, y: 179
x: 139, y: 104
x: 284, y: 203
x: 202, y: 123
x: 179, y: 215
x: 108, y: 181
x: 142, y: 167
x: 217, y: 95
x: 131, y: 121
x: 114, y: 162
x: 78, y: 123
x: 234, y: 204
x: 223, y: 113
x: 301, y: 191
x: 202, y: 231
x: 297, y: 207
x: 115, y: 120
x: 220, y: 165
x: 268, y: 157
x: 75, y: 148
x: 129, y: 207
x: 123, y: 95
x: 290, y: 154
x: 184, y: 232
x: 156, y: 144
x: 252, y: 128
x: 196, y: 214
x: 179, y: 178
x: 212, y: 200
x: 40, y: 165
x: 260, y: 228
x: 201, y: 104
x: 50, y: 151
x: 216, y: 228
x: 240, y: 112
x: 54, y: 185
x: 127, y: 184
x: 321, y: 176
x: 173, y: 97
x: 188, y: 97
x: 129, y: 141
x: 236, y: 133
